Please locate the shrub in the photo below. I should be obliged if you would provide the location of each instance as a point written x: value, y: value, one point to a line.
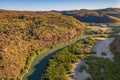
x: 104, y: 54
x: 83, y: 67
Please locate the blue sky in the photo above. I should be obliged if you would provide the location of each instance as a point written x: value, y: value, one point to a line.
x: 41, y: 5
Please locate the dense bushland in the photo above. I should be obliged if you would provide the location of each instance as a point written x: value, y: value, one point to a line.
x: 102, y: 68
x: 60, y: 63
x: 23, y: 35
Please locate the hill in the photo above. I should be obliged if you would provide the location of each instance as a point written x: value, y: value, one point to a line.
x: 108, y: 15
x: 25, y: 34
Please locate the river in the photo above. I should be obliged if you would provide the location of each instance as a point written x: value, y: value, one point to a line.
x: 40, y: 62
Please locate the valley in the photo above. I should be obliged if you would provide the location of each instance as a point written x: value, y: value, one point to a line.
x: 60, y: 45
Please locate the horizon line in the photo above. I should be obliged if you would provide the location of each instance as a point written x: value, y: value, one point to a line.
x: 60, y: 10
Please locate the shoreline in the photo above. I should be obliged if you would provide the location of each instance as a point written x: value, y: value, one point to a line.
x: 46, y: 53
x: 76, y: 66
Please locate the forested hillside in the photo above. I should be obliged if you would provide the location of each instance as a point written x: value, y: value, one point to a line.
x: 108, y: 15
x: 25, y: 34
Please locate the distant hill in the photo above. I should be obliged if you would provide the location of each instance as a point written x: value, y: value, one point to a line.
x: 108, y: 15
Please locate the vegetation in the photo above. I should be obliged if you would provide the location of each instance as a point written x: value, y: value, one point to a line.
x: 24, y: 35
x: 93, y: 52
x: 61, y: 62
x: 83, y: 67
x: 104, y: 54
x: 110, y: 69
x: 88, y: 78
x: 103, y: 68
x: 99, y: 68
x: 115, y: 46
x: 93, y: 32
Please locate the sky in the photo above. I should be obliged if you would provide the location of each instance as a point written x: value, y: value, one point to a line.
x: 46, y: 5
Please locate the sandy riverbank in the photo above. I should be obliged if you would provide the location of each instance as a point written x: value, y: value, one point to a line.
x: 99, y: 47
